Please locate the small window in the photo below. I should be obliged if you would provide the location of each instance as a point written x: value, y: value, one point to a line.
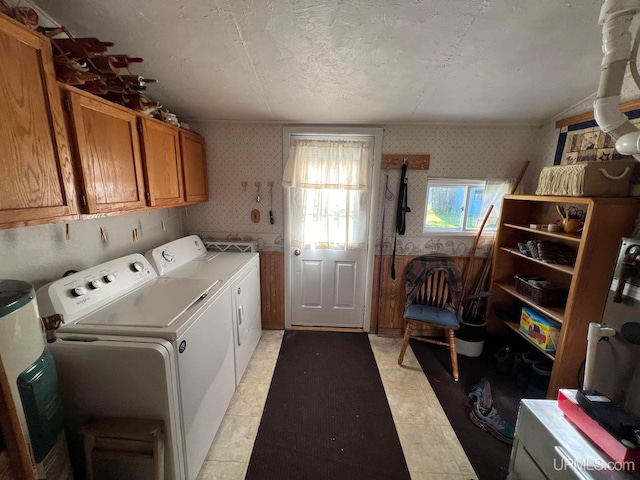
x: 455, y: 205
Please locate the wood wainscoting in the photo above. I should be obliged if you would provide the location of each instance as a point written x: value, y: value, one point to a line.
x: 272, y: 290
x: 388, y: 297
x: 387, y: 300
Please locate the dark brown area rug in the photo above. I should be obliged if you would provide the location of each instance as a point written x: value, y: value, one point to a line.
x: 489, y: 456
x: 326, y: 414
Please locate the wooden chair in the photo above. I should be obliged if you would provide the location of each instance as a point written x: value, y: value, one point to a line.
x: 434, y: 293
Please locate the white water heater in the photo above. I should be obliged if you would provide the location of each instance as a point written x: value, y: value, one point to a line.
x: 31, y: 372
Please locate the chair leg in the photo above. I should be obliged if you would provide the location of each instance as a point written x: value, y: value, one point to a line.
x: 405, y: 342
x: 454, y: 354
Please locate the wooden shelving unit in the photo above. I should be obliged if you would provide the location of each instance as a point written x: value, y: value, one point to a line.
x: 607, y: 221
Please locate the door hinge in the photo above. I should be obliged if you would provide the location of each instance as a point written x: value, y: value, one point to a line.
x: 67, y: 104
x: 139, y: 126
x: 84, y: 200
x: 147, y: 195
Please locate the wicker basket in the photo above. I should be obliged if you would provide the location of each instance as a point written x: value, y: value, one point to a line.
x: 543, y: 296
x: 587, y: 179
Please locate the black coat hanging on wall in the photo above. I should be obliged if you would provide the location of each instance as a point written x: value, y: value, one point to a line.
x: 401, y: 212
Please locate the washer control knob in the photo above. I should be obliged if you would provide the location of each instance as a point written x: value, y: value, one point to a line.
x: 137, y: 266
x: 109, y: 278
x: 94, y: 284
x: 167, y: 255
x: 79, y: 291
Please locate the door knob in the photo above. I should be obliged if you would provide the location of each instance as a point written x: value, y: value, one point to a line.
x: 297, y: 252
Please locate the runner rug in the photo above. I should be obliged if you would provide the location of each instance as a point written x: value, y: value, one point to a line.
x: 326, y: 414
x: 489, y: 456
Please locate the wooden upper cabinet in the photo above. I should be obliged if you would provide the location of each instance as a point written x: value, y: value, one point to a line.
x: 36, y: 177
x: 163, y: 164
x: 108, y: 156
x: 194, y: 166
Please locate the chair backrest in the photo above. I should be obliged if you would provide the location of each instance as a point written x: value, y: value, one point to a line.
x: 434, y: 281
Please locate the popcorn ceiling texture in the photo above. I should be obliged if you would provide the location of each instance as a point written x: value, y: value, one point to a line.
x: 247, y: 152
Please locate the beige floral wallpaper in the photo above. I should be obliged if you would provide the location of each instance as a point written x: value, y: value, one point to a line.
x: 246, y: 153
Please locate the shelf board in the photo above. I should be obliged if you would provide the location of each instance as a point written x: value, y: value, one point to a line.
x: 516, y: 328
x: 560, y: 235
x: 568, y: 269
x: 554, y: 313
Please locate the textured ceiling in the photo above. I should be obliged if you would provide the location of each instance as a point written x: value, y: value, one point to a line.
x: 362, y: 61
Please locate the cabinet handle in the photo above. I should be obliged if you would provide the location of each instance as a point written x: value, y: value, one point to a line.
x: 240, y: 315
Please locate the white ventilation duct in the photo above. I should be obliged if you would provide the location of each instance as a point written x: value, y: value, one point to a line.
x: 616, y: 17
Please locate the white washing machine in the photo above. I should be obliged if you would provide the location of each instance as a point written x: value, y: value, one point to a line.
x: 188, y: 258
x: 137, y: 345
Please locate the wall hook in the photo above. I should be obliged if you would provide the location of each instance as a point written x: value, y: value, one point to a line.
x: 258, y: 184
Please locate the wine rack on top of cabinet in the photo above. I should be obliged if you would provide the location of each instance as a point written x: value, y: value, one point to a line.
x: 587, y: 281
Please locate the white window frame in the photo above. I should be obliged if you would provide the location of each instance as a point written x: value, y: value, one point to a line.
x: 454, y: 183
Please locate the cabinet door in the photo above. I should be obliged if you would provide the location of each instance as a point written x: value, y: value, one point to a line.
x: 108, y: 153
x: 195, y: 167
x: 36, y: 178
x: 163, y: 164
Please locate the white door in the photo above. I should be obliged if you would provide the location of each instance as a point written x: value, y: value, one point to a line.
x: 328, y: 288
x: 328, y: 245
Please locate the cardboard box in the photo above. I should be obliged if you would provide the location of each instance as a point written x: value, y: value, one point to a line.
x: 542, y: 331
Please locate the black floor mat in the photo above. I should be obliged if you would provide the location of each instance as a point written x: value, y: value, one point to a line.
x: 326, y: 414
x: 488, y: 455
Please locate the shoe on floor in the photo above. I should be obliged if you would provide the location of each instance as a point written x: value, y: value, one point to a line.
x: 481, y: 394
x: 492, y: 422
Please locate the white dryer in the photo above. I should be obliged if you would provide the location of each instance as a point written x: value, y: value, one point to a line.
x: 137, y: 345
x: 188, y: 258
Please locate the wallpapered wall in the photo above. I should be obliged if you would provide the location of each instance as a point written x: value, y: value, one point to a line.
x: 42, y: 253
x: 252, y: 153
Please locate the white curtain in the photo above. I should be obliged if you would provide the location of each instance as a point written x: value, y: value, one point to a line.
x: 328, y: 185
x: 494, y: 190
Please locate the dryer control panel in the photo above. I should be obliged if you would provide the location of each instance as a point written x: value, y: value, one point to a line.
x: 172, y: 255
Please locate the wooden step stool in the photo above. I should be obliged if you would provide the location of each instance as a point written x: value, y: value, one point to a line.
x: 124, y: 439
